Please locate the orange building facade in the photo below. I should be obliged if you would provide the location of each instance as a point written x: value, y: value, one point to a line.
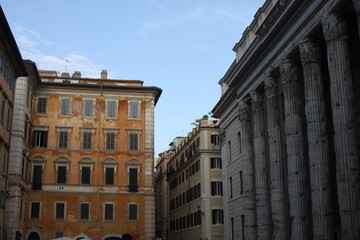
x: 87, y: 161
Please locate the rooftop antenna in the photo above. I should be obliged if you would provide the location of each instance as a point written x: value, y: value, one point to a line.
x: 66, y: 62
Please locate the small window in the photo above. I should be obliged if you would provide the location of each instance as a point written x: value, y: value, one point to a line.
x: 40, y: 139
x: 85, y: 175
x: 134, y: 109
x: 134, y: 141
x: 37, y: 177
x: 133, y: 180
x: 241, y: 182
x: 41, y: 105
x: 110, y: 141
x: 59, y: 234
x: 111, y: 108
x: 133, y: 212
x: 5, y: 160
x: 109, y: 175
x: 87, y: 140
x: 63, y: 139
x: 9, y: 117
x: 65, y: 106
x: 216, y: 188
x: 216, y: 163
x: 217, y: 216
x: 35, y: 210
x: 61, y: 174
x: 3, y: 104
x: 88, y: 108
x: 109, y: 212
x: 84, y: 211
x: 60, y: 211
x: 230, y: 187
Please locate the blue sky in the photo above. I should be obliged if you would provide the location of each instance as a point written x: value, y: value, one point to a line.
x: 183, y: 47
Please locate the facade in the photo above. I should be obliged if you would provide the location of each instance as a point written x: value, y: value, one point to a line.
x: 194, y: 178
x: 83, y: 156
x: 290, y: 124
x: 11, y: 68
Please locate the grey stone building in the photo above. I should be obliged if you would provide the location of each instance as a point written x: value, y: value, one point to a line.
x: 290, y: 118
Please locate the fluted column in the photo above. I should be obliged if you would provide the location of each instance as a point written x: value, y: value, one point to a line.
x: 347, y: 162
x: 295, y: 152
x: 249, y: 187
x: 318, y: 143
x: 261, y: 168
x: 277, y: 188
x: 357, y: 11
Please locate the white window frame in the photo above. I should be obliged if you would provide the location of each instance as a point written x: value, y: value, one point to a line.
x: 115, y: 132
x: 113, y: 212
x: 63, y: 129
x: 46, y: 108
x: 137, y: 212
x: 115, y: 110
x: 130, y: 116
x: 89, y: 212
x: 61, y: 106
x: 92, y: 131
x: 60, y: 220
x: 30, y: 210
x: 92, y: 107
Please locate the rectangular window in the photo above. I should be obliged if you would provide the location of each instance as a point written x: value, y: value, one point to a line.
x: 37, y: 177
x: 241, y: 182
x: 41, y: 105
x: 243, y: 226
x: 230, y: 187
x: 65, y: 106
x: 134, y: 110
x: 232, y: 229
x: 85, y: 175
x: 60, y: 211
x: 109, y: 212
x: 3, y: 104
x: 216, y: 188
x: 61, y: 174
x: 133, y: 212
x: 88, y: 108
x: 84, y: 211
x: 134, y: 144
x: 217, y: 216
x: 40, y: 139
x: 216, y: 163
x: 35, y: 210
x: 87, y: 140
x: 239, y: 141
x: 9, y: 117
x: 5, y: 160
x: 133, y: 179
x: 111, y: 109
x: 109, y: 176
x: 229, y: 151
x: 63, y: 139
x: 110, y: 141
x: 59, y: 234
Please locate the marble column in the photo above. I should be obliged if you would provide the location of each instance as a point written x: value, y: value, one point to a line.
x: 318, y: 143
x: 357, y: 11
x: 276, y: 166
x: 261, y: 168
x: 295, y: 152
x: 249, y: 186
x: 347, y: 161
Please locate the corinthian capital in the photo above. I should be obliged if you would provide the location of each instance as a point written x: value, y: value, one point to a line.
x: 288, y: 71
x: 334, y: 27
x: 357, y: 6
x: 309, y: 51
x: 270, y: 86
x: 256, y: 100
x: 244, y: 111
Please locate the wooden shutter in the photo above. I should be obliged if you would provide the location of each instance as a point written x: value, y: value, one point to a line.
x: 61, y: 174
x: 109, y: 176
x: 84, y: 211
x: 108, y: 212
x: 133, y: 180
x: 60, y: 211
x: 132, y: 211
x: 37, y: 178
x: 35, y: 210
x: 85, y: 175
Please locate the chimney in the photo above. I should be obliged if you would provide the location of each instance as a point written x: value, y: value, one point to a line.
x: 104, y: 74
x: 65, y: 75
x: 76, y: 74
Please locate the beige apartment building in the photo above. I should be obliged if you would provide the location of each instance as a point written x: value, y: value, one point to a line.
x: 194, y: 178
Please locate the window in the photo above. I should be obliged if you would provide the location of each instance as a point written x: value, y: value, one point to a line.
x: 63, y: 139
x: 59, y: 211
x: 216, y: 163
x: 9, y: 117
x: 111, y: 108
x: 34, y: 210
x: 110, y: 141
x: 109, y: 212
x: 37, y: 177
x: 61, y: 174
x: 230, y: 187
x: 134, y: 109
x: 134, y: 141
x: 133, y: 211
x: 85, y: 175
x: 109, y: 175
x: 217, y: 216
x: 215, y: 141
x: 216, y: 188
x: 3, y: 104
x: 59, y: 234
x: 232, y: 229
x: 40, y: 138
x: 65, y: 106
x: 241, y: 183
x: 87, y: 140
x: 243, y: 226
x: 239, y: 141
x: 84, y: 211
x: 229, y: 150
x: 133, y: 179
x: 41, y: 105
x: 88, y: 108
x: 5, y: 160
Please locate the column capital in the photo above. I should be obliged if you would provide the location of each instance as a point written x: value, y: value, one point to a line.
x: 288, y: 71
x: 270, y: 86
x: 244, y: 111
x: 256, y: 100
x: 309, y: 51
x: 334, y: 27
x: 357, y: 6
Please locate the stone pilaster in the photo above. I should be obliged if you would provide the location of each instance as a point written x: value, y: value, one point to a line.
x: 249, y: 186
x: 347, y: 162
x: 261, y: 168
x: 276, y: 166
x: 318, y: 143
x: 295, y: 152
